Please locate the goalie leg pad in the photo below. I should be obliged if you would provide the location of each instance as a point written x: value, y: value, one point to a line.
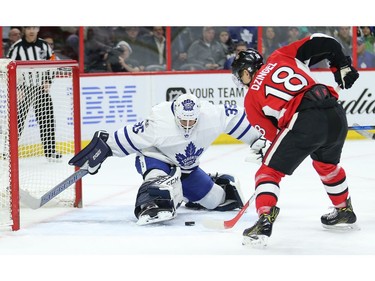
x: 158, y: 198
x: 223, y: 194
x: 231, y: 187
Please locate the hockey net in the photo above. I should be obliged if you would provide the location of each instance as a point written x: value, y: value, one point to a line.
x: 39, y: 133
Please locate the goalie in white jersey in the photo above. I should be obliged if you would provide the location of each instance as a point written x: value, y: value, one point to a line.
x: 169, y: 145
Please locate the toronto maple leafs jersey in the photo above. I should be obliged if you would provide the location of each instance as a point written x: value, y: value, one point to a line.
x: 160, y: 137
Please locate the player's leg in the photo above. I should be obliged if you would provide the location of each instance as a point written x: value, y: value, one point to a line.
x: 160, y: 194
x: 291, y: 146
x: 333, y: 176
x: 220, y: 192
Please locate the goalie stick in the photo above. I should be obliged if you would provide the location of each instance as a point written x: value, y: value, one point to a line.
x: 35, y: 203
x: 362, y: 130
x: 219, y: 224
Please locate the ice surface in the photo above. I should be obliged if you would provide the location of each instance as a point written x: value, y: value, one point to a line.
x: 104, y: 232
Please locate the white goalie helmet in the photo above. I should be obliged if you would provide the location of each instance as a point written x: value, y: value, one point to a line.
x: 186, y: 109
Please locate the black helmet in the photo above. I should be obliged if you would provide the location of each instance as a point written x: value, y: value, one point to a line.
x: 249, y: 59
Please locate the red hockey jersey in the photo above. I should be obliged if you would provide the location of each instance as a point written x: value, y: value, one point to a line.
x: 277, y: 89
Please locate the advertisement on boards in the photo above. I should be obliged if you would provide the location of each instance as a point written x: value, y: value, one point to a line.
x: 110, y: 102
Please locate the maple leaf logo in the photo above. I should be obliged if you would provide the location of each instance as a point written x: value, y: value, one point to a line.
x: 190, y: 156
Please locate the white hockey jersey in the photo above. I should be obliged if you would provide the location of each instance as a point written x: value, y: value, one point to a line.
x: 160, y: 137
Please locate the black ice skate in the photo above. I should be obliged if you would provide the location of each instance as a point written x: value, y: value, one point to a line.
x: 340, y: 218
x: 258, y: 234
x: 152, y: 213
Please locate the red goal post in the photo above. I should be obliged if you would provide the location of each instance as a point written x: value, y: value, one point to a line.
x: 39, y: 132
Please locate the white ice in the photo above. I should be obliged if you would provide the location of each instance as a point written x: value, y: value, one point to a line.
x: 104, y: 231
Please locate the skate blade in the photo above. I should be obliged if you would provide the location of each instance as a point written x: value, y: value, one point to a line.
x: 162, y: 216
x: 259, y: 241
x: 342, y: 227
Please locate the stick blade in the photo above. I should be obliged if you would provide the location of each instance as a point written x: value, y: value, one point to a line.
x: 364, y: 133
x: 28, y: 200
x: 214, y: 224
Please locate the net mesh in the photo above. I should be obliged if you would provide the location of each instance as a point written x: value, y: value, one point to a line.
x: 45, y: 134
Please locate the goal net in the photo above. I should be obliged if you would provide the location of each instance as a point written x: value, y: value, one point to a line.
x: 39, y: 133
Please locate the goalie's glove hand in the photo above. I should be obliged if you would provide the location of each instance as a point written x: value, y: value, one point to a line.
x: 257, y: 150
x: 346, y: 74
x: 94, y: 154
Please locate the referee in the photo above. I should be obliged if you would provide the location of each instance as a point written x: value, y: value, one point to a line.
x: 33, y: 90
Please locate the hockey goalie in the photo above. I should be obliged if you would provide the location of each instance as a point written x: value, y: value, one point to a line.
x: 168, y: 147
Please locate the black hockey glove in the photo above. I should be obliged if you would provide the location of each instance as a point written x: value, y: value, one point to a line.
x: 94, y: 154
x: 346, y: 74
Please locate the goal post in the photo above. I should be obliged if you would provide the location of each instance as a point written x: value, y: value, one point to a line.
x: 39, y: 132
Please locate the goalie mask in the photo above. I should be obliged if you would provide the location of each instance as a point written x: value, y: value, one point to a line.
x: 186, y: 109
x: 251, y: 60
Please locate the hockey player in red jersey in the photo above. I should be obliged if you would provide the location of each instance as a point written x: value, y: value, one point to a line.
x: 301, y: 117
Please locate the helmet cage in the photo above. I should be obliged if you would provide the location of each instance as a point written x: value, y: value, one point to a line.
x: 186, y: 110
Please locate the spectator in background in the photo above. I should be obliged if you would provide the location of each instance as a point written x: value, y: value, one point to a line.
x: 369, y: 39
x: 327, y: 30
x: 133, y: 37
x: 118, y: 59
x: 181, y: 41
x: 365, y: 59
x: 71, y: 44
x: 51, y: 43
x: 155, y: 54
x: 270, y: 41
x: 293, y: 34
x: 304, y: 31
x: 248, y: 34
x: 239, y: 47
x: 226, y: 41
x: 96, y: 51
x: 344, y: 36
x: 207, y: 53
x: 13, y: 36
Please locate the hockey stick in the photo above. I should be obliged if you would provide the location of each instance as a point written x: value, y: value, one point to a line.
x: 218, y: 224
x: 363, y: 132
x: 35, y: 203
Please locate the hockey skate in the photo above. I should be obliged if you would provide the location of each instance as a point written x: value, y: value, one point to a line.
x: 258, y: 234
x: 151, y: 213
x: 340, y: 218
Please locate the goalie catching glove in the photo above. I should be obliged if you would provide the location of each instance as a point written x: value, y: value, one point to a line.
x: 94, y: 154
x: 257, y: 150
x: 345, y: 74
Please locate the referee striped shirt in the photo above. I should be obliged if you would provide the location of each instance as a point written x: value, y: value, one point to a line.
x: 38, y: 50
x: 23, y: 50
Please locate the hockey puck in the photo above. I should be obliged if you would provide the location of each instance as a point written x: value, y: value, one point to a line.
x: 190, y: 223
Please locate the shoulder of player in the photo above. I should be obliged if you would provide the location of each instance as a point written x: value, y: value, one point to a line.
x: 162, y: 107
x: 161, y: 113
x: 209, y: 107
